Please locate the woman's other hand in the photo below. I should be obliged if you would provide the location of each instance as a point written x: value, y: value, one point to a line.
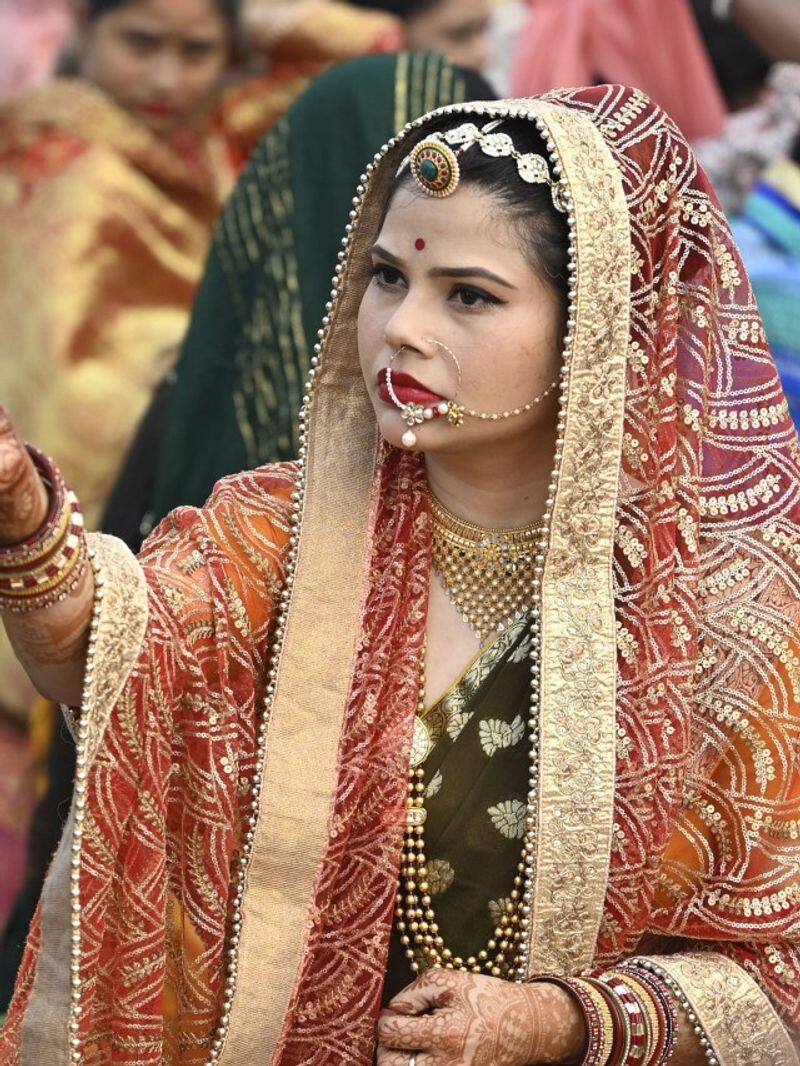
x: 447, y: 1017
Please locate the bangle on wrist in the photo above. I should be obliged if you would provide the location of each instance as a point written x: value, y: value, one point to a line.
x: 597, y: 1018
x: 48, y: 565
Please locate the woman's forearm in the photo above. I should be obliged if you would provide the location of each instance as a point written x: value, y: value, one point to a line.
x: 774, y: 25
x: 51, y: 644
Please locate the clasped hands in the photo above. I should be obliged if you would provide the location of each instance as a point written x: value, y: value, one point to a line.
x: 447, y: 1017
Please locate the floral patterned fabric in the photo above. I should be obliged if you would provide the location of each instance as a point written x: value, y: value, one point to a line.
x: 476, y: 775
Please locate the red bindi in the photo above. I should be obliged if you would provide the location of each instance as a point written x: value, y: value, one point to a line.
x: 419, y: 243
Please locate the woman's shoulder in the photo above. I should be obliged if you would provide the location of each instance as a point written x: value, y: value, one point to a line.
x: 70, y: 132
x: 235, y: 545
x: 258, y: 501
x: 37, y: 139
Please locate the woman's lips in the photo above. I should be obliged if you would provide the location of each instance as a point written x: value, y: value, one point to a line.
x: 407, y: 390
x: 159, y: 110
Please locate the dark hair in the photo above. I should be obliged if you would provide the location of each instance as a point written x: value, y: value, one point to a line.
x: 543, y: 230
x: 739, y: 64
x: 402, y: 9
x: 229, y: 9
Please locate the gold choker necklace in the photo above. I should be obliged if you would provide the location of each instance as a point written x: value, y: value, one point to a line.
x: 487, y: 573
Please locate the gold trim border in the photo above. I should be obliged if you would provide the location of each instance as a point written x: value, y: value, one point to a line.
x: 119, y: 623
x: 119, y: 634
x: 577, y: 717
x: 737, y: 1017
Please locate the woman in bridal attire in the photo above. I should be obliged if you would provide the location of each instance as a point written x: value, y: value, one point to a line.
x: 472, y: 736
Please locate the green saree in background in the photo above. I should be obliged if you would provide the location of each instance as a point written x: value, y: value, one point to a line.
x: 241, y: 373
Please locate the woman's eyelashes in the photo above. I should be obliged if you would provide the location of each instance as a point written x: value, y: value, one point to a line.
x: 466, y: 297
x: 387, y: 277
x: 469, y: 297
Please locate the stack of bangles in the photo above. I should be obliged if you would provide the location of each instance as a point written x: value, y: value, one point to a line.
x: 46, y: 567
x: 630, y: 1015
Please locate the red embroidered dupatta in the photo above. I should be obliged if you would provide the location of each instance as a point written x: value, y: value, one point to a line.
x: 232, y: 855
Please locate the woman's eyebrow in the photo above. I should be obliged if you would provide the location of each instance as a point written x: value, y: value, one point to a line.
x: 472, y: 272
x: 379, y: 250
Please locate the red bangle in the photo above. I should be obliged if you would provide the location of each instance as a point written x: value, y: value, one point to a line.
x: 48, y: 535
x: 621, y: 1045
x: 664, y: 1004
x: 596, y: 1015
x: 635, y: 1022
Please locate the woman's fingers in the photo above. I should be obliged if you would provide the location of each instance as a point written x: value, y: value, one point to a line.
x: 423, y: 995
x: 23, y: 497
x: 387, y: 1057
x: 411, y: 1034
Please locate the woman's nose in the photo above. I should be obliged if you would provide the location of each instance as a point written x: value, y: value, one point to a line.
x: 406, y: 330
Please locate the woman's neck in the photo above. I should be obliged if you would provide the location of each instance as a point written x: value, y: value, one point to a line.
x: 499, y: 487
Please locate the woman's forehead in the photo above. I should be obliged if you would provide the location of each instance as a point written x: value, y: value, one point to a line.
x: 469, y: 220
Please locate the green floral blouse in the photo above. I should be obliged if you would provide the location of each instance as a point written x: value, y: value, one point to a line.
x: 476, y: 774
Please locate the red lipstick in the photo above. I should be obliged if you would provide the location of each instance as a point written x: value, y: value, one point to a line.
x: 407, y: 389
x: 160, y: 110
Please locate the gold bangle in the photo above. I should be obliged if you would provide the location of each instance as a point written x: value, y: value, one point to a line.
x: 47, y: 549
x: 57, y: 579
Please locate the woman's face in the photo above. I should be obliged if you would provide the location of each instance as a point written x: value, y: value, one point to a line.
x: 460, y: 30
x: 162, y: 60
x: 451, y: 273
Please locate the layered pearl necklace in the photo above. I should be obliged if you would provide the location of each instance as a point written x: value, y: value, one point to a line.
x: 505, y: 953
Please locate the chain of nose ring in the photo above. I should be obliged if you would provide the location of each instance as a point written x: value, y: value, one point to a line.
x: 485, y: 416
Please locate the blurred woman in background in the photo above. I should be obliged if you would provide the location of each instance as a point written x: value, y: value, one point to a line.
x: 768, y: 233
x: 109, y: 185
x: 460, y: 30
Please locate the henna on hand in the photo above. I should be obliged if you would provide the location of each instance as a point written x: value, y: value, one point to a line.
x: 23, y: 497
x: 455, y: 1017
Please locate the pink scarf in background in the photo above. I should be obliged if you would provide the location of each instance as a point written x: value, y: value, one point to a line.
x: 654, y: 45
x: 32, y: 34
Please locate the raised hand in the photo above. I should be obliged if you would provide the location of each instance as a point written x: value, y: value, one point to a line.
x: 23, y: 497
x: 49, y: 634
x: 447, y: 1017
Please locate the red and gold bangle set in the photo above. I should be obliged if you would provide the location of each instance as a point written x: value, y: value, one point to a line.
x: 46, y: 567
x: 630, y: 1017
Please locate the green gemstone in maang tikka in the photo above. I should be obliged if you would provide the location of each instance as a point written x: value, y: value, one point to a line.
x: 428, y: 170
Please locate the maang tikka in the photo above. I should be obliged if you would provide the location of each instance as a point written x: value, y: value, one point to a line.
x: 435, y: 167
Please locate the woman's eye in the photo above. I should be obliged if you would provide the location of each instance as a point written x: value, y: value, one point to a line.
x: 466, y: 296
x: 141, y: 42
x: 386, y: 276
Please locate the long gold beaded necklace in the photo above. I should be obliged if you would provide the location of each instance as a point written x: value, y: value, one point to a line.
x: 505, y: 953
x: 487, y: 573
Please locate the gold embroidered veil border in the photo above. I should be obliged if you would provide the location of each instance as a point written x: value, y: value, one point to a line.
x: 329, y: 591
